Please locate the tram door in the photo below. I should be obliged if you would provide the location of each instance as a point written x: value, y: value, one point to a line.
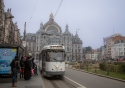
x: 40, y: 62
x: 43, y: 61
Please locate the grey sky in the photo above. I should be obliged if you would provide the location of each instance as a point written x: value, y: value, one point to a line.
x: 95, y: 18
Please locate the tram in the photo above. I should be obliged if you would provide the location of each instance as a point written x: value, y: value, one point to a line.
x: 53, y: 60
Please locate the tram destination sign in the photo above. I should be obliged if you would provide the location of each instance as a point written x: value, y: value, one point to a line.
x: 56, y: 47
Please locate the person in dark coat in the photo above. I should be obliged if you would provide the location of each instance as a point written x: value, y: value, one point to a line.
x: 14, y: 68
x: 22, y: 67
x: 27, y: 69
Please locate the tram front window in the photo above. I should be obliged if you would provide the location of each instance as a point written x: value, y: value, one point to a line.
x: 56, y: 56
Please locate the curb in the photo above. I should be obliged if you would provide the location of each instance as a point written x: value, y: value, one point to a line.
x: 98, y: 74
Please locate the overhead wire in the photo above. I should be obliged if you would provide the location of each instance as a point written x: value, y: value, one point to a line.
x: 32, y: 13
x: 58, y: 8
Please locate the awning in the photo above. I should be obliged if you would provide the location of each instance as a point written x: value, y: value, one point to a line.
x: 6, y: 45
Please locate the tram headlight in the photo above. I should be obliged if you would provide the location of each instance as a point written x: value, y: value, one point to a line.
x: 56, y: 66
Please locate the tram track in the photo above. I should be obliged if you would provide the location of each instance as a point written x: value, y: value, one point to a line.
x: 57, y: 84
x: 54, y: 84
x: 68, y: 83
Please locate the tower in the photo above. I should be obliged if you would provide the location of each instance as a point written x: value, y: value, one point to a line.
x: 1, y: 20
x: 24, y: 32
x: 76, y: 34
x: 2, y: 13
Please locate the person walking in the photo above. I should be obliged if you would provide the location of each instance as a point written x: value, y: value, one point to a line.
x: 27, y: 69
x: 14, y: 69
x: 32, y: 66
x: 22, y: 67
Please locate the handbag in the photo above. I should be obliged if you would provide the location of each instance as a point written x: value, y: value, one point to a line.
x: 32, y: 71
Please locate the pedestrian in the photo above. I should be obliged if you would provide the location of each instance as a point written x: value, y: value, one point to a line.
x: 22, y: 67
x: 27, y: 69
x: 14, y: 69
x: 32, y: 65
x: 35, y: 69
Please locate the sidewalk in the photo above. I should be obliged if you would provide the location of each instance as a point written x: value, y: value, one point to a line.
x: 34, y: 82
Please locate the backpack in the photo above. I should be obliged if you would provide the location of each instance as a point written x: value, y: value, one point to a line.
x: 21, y: 63
x: 14, y: 64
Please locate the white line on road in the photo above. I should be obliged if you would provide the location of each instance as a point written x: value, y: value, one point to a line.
x: 75, y: 82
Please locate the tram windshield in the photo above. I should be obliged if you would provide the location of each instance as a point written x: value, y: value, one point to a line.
x: 56, y: 56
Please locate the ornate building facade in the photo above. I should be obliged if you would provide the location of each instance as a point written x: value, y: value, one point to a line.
x: 1, y: 20
x: 9, y: 32
x: 51, y: 33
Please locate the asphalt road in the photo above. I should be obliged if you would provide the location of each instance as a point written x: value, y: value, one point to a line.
x: 92, y: 81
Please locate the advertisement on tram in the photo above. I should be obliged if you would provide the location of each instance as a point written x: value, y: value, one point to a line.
x: 6, y: 56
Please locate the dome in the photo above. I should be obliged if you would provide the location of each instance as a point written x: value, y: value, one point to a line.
x: 66, y: 31
x: 8, y: 14
x: 51, y: 22
x: 41, y: 29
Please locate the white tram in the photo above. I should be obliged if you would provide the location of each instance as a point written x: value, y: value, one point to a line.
x: 53, y: 60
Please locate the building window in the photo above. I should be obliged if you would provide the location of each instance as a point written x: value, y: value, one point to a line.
x: 67, y: 48
x: 79, y: 50
x: 76, y: 50
x: 121, y: 53
x: 79, y: 56
x: 29, y: 44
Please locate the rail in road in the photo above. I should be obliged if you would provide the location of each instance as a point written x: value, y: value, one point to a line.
x: 56, y: 84
x: 60, y: 82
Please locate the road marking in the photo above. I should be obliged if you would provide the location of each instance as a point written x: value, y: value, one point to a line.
x: 75, y: 82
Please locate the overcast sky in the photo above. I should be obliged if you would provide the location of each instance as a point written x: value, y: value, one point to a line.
x: 96, y: 19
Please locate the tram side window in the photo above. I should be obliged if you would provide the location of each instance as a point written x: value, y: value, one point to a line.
x: 44, y: 56
x: 48, y: 56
